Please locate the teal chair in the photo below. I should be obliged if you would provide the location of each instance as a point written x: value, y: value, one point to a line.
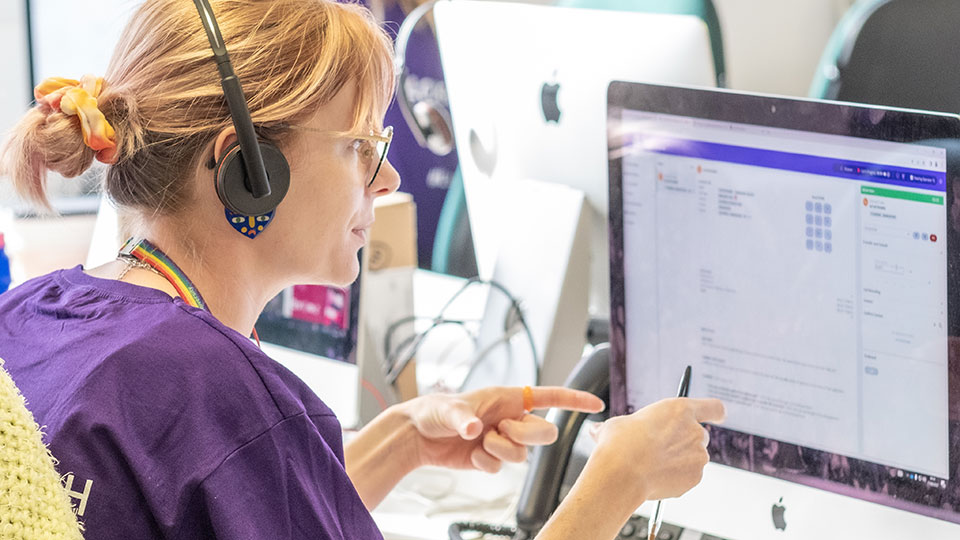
x: 825, y: 78
x: 900, y: 53
x: 453, y: 251
x: 698, y: 8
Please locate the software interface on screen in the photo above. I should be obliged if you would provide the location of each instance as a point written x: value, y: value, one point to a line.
x: 804, y: 276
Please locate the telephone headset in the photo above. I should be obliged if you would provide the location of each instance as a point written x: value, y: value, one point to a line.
x: 254, y: 184
x: 429, y: 121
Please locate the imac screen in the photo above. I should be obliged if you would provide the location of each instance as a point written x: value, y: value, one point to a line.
x: 801, y: 257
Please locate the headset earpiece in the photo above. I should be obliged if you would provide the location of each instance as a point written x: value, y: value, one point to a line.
x: 255, y: 184
x: 233, y: 186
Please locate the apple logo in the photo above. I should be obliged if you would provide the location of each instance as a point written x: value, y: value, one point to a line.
x: 777, y: 511
x: 548, y: 102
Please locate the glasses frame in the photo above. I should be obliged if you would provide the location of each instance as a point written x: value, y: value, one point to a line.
x: 385, y: 137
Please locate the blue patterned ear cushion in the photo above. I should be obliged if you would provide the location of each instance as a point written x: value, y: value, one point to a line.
x: 231, y: 181
x: 249, y: 226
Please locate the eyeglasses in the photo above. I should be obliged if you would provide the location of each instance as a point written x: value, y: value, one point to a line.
x: 371, y: 148
x: 381, y: 143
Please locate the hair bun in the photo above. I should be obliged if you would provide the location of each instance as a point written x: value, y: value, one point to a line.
x: 79, y: 98
x: 42, y: 141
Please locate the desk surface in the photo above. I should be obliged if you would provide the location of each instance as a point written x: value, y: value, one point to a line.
x: 428, y: 500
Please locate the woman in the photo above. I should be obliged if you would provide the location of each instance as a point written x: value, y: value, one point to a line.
x: 168, y: 420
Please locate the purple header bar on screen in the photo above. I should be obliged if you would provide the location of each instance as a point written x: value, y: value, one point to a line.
x: 803, y: 163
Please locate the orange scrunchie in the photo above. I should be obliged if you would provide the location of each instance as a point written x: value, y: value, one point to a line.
x: 79, y: 98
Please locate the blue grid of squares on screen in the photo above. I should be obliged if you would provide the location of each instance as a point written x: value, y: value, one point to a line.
x: 819, y: 221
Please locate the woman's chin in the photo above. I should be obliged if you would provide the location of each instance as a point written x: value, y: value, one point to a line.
x: 341, y: 274
x: 346, y: 275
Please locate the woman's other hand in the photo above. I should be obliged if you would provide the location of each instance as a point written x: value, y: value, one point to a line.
x: 654, y: 453
x: 662, y: 448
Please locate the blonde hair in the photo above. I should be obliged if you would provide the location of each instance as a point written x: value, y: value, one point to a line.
x: 163, y: 97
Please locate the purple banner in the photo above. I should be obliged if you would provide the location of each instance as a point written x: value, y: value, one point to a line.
x: 803, y: 163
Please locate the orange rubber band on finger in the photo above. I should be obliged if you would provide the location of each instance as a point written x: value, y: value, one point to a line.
x: 527, y: 398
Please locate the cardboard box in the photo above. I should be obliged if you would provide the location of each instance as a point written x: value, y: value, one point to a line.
x: 393, y: 238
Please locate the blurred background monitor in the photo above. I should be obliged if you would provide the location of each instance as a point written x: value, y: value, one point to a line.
x: 315, y: 319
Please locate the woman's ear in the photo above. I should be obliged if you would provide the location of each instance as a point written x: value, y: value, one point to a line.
x: 223, y: 141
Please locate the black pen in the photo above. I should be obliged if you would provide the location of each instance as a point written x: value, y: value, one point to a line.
x: 682, y: 392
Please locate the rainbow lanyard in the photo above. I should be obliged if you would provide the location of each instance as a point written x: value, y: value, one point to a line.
x: 142, y: 250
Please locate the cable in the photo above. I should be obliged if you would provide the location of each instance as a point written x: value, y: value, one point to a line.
x: 369, y: 387
x: 394, y: 367
x: 414, y: 318
x: 479, y: 357
x: 394, y: 363
x: 515, y: 305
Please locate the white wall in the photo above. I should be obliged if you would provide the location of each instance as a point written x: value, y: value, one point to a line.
x: 774, y: 45
x: 15, y: 90
x: 65, y: 46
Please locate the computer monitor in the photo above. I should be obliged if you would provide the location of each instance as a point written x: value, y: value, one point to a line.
x: 801, y: 256
x: 527, y: 87
x: 315, y: 319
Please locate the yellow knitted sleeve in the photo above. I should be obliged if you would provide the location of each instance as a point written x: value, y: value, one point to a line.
x: 33, y: 503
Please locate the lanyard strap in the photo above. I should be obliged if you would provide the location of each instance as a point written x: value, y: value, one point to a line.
x: 142, y: 250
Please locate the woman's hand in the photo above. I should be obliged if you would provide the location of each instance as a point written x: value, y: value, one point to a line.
x: 655, y: 453
x: 484, y: 428
x: 479, y: 430
x: 661, y: 447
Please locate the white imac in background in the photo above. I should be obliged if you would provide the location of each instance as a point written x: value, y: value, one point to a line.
x: 797, y: 255
x: 527, y: 87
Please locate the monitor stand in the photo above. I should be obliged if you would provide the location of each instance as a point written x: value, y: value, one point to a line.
x: 544, y: 262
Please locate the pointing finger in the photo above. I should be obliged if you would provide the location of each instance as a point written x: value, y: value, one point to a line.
x: 545, y: 397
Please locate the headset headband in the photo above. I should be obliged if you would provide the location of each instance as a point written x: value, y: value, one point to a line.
x: 259, y: 183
